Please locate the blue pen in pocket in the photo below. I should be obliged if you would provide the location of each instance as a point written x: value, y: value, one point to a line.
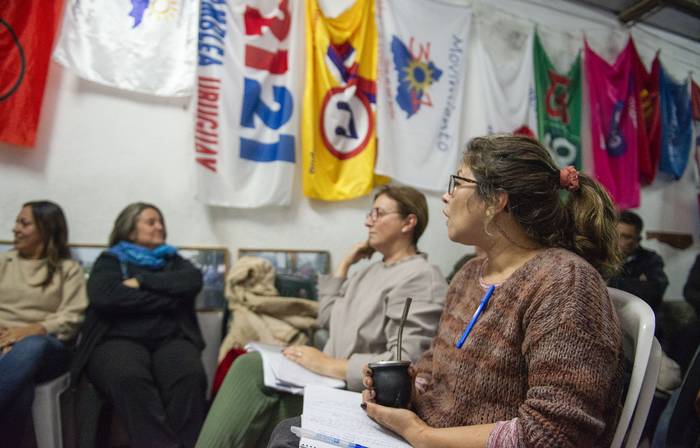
x: 475, y: 317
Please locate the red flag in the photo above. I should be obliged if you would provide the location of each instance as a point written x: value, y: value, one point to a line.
x: 27, y: 30
x: 648, y: 118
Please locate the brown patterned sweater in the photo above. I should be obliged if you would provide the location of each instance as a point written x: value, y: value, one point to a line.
x: 547, y: 350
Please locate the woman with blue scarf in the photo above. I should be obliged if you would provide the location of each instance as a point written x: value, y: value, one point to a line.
x: 141, y: 344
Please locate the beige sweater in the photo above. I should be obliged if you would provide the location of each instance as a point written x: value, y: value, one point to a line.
x: 546, y: 351
x: 364, y: 312
x: 59, y: 307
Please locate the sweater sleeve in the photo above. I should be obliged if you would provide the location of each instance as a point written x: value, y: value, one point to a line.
x: 181, y: 280
x: 427, y: 288
x: 330, y: 289
x: 573, y: 350
x: 506, y: 434
x: 424, y: 365
x: 65, y: 321
x: 108, y: 295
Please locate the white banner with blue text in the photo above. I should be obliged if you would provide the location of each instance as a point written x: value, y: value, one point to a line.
x: 420, y: 89
x: 249, y: 91
x: 142, y: 46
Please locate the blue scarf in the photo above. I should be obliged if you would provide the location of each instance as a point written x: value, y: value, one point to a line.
x: 153, y: 259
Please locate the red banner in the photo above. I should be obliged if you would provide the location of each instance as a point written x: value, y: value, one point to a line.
x: 27, y: 31
x: 648, y: 118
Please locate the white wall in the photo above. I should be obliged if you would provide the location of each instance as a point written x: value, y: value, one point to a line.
x: 99, y: 149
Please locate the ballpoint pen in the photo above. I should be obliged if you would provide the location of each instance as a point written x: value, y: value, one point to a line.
x: 475, y: 317
x: 313, y: 435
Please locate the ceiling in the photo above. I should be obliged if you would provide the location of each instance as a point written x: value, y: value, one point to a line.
x: 680, y: 17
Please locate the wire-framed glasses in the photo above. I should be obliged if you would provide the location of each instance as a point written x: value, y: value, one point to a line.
x: 376, y: 213
x: 453, y: 183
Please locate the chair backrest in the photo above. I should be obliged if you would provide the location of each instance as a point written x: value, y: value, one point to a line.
x: 637, y: 321
x: 292, y: 285
x: 646, y: 395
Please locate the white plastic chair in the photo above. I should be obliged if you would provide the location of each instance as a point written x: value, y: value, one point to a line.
x: 46, y: 412
x: 638, y: 322
x: 211, y: 324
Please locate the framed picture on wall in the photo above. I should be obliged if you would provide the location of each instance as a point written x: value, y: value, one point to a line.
x: 304, y: 263
x: 212, y: 261
x: 86, y: 255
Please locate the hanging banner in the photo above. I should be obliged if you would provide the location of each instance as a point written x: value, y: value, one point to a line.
x: 558, y: 107
x: 145, y: 46
x: 27, y: 30
x: 676, y: 125
x: 614, y: 124
x: 421, y: 82
x: 338, y: 126
x: 248, y: 99
x: 504, y: 62
x: 648, y: 118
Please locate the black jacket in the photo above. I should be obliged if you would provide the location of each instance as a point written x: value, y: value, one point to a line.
x: 168, y: 294
x: 645, y: 263
x: 691, y: 290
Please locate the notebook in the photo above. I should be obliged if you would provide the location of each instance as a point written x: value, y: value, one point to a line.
x: 337, y: 413
x: 282, y: 374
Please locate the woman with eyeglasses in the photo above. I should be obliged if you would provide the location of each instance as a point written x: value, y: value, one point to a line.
x: 528, y: 351
x: 362, y: 314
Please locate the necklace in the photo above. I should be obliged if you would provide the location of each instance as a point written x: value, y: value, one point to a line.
x: 482, y: 282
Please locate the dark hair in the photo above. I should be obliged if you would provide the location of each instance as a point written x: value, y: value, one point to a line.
x: 633, y: 219
x: 410, y: 201
x: 583, y: 221
x: 125, y: 224
x: 51, y: 224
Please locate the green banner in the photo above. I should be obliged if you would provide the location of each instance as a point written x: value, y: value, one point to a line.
x: 558, y: 107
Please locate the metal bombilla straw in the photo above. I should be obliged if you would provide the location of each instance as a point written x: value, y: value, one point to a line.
x: 406, y: 306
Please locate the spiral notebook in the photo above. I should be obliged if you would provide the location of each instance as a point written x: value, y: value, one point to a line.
x: 337, y: 413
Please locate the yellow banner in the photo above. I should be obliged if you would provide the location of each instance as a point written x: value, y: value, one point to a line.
x: 338, y: 123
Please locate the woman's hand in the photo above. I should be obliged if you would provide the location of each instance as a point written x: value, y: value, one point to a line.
x: 131, y: 283
x: 368, y: 394
x: 316, y: 361
x: 402, y: 421
x: 11, y: 336
x: 358, y: 252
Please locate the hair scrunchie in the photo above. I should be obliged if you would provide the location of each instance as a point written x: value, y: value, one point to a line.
x: 568, y: 178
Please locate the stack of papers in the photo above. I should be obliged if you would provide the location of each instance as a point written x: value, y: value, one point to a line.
x: 337, y: 413
x: 285, y: 375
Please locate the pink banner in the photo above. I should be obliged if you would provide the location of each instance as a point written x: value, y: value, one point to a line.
x: 614, y: 124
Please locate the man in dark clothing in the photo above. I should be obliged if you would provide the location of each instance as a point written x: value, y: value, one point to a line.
x: 691, y: 291
x: 643, y: 272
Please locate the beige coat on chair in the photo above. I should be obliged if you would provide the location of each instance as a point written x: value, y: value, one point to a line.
x: 258, y: 313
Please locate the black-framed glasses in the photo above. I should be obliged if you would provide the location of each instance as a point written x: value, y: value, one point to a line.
x: 376, y: 213
x: 453, y: 183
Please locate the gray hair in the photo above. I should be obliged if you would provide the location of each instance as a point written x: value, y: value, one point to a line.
x: 125, y: 223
